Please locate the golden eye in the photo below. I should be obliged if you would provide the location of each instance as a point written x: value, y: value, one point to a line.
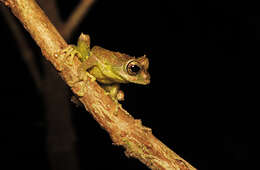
x: 133, y: 68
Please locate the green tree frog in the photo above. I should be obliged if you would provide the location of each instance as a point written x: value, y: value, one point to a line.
x: 110, y: 68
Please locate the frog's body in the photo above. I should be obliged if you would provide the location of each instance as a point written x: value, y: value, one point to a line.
x: 107, y: 66
x: 111, y: 68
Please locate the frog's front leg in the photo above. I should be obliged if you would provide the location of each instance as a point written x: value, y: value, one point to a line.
x: 69, y: 53
x: 113, y: 91
x: 72, y: 51
x: 87, y: 64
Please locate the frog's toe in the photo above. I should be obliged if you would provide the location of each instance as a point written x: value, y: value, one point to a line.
x: 71, y: 51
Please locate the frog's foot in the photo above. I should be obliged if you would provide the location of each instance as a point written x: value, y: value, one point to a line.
x: 70, y: 53
x: 83, y: 75
x: 113, y: 91
x: 116, y: 97
x: 64, y: 57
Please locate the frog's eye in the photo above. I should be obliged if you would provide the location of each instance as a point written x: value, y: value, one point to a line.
x: 133, y: 68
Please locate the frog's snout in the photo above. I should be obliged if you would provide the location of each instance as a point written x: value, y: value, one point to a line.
x: 147, y: 79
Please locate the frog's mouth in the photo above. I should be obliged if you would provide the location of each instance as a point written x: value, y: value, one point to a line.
x: 147, y: 81
x: 144, y: 82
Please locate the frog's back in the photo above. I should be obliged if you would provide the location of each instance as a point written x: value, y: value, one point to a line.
x: 110, y: 57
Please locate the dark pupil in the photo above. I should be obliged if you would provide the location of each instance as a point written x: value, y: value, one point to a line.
x: 135, y: 68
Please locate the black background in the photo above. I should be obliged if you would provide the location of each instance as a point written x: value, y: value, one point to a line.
x: 201, y: 97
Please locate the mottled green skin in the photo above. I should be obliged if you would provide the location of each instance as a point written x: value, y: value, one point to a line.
x: 109, y: 67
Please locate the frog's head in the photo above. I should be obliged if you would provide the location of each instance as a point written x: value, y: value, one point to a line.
x: 136, y: 70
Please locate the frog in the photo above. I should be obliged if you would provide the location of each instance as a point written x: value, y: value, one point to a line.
x: 110, y: 68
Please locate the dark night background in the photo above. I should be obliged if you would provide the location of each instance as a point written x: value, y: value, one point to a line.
x: 200, y: 100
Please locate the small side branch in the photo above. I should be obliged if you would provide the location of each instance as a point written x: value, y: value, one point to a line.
x: 124, y: 130
x: 75, y: 18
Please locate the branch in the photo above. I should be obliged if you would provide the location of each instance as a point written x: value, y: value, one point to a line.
x: 26, y: 51
x: 54, y: 94
x: 52, y: 11
x: 124, y: 130
x: 75, y: 18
